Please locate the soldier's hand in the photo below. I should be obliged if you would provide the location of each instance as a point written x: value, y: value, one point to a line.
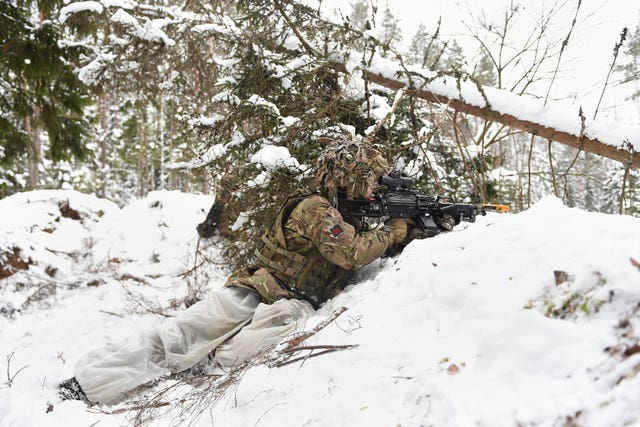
x: 208, y: 227
x: 417, y: 233
x: 445, y: 222
x: 398, y: 228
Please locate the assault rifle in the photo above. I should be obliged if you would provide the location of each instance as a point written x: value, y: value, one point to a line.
x: 396, y: 199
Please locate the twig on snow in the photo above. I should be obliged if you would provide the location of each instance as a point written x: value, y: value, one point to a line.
x: 326, y: 349
x: 10, y: 377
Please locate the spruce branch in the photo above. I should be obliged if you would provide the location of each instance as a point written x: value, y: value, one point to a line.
x: 295, y: 30
x: 396, y: 102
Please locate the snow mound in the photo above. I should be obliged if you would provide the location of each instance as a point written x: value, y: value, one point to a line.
x: 48, y: 231
x: 153, y: 234
x: 525, y: 319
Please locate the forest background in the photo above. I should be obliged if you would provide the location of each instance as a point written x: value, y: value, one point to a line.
x: 123, y: 97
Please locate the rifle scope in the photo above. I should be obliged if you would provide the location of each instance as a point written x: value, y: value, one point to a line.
x: 395, y: 182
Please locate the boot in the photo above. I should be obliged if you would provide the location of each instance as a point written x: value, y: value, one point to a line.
x: 70, y: 390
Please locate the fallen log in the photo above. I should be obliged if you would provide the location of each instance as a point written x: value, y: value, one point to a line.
x: 613, y: 140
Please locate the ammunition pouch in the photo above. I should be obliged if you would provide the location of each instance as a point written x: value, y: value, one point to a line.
x: 305, y: 273
x: 311, y: 276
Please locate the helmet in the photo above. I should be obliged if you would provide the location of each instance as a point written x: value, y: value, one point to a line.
x: 349, y: 165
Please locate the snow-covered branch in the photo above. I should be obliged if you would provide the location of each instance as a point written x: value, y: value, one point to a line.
x: 617, y: 141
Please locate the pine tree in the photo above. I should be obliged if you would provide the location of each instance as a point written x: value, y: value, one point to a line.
x: 484, y: 70
x: 42, y: 100
x: 426, y: 49
x: 390, y: 31
x: 631, y: 69
x: 187, y: 93
x: 454, y: 58
x: 360, y: 18
x: 629, y: 194
x: 145, y: 66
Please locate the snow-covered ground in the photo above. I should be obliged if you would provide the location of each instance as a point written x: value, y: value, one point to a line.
x: 526, y: 319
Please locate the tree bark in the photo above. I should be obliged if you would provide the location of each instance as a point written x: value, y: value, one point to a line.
x: 33, y: 153
x: 142, y: 154
x: 103, y: 144
x: 161, y: 125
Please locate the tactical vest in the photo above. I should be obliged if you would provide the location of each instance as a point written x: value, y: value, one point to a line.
x: 301, y: 269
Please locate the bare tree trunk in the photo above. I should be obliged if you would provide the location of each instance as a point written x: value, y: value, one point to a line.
x: 161, y: 124
x: 457, y: 132
x: 142, y: 155
x: 172, y: 180
x: 552, y: 169
x: 33, y: 153
x: 623, y: 194
x: 103, y: 144
x: 206, y: 185
x: 588, y: 201
x: 529, y: 171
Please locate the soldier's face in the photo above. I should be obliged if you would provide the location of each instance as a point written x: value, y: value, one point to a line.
x: 370, y: 189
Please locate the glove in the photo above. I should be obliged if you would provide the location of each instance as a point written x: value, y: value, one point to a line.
x: 416, y: 233
x: 445, y: 222
x: 398, y: 228
x: 208, y: 227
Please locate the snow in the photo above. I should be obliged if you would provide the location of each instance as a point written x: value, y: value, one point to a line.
x: 122, y: 4
x: 377, y: 105
x: 209, y: 28
x: 92, y: 71
x: 466, y: 328
x: 33, y: 221
x: 289, y: 120
x: 227, y: 97
x: 211, y: 154
x: 122, y: 17
x: 243, y: 218
x: 259, y: 101
x: 272, y: 156
x: 80, y: 6
x: 152, y: 31
x: 206, y: 120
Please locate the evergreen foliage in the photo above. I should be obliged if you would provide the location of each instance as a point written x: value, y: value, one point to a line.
x: 631, y: 69
x: 185, y: 95
x: 40, y: 90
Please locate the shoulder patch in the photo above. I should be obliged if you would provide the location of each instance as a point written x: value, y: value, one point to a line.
x: 336, y: 231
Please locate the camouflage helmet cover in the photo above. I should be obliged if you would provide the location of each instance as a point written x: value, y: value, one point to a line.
x: 353, y: 165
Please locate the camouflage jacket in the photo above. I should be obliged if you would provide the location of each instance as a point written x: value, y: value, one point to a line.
x: 309, y: 253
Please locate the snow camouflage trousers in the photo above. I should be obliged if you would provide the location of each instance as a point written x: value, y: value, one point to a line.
x: 309, y: 252
x: 230, y: 320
